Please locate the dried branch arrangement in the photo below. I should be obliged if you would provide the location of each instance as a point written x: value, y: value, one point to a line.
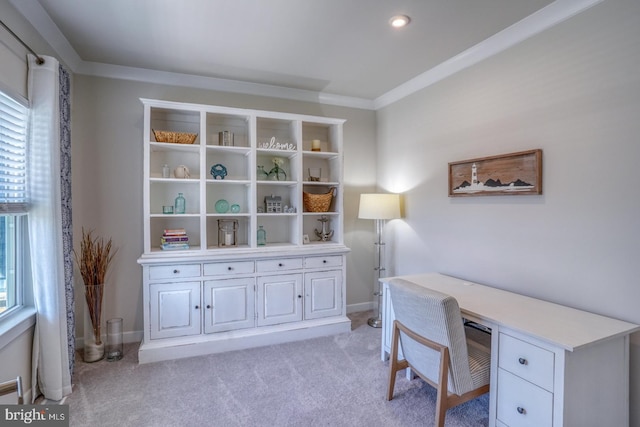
x: 93, y: 261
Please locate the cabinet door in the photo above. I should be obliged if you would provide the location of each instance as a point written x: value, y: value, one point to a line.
x: 323, y: 294
x: 229, y: 304
x: 174, y: 309
x: 279, y: 299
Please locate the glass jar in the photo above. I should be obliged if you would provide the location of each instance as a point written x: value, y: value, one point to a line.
x: 277, y: 174
x: 180, y: 204
x: 262, y: 236
x: 262, y: 174
x: 166, y: 173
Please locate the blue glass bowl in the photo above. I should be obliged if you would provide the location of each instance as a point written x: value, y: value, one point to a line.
x: 222, y: 206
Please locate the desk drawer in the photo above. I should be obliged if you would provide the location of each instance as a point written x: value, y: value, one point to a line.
x: 227, y: 268
x: 527, y: 361
x: 522, y: 404
x: 280, y: 264
x: 177, y: 271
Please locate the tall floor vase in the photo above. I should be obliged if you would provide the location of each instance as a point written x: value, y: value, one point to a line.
x: 93, y: 342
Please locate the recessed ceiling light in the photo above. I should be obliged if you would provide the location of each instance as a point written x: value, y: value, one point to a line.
x: 399, y: 21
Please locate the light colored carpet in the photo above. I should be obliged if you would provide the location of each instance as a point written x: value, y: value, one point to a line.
x: 331, y: 381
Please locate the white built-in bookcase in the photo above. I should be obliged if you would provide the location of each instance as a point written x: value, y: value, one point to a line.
x: 250, y: 128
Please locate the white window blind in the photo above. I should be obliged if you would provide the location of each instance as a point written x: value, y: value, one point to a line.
x: 13, y: 156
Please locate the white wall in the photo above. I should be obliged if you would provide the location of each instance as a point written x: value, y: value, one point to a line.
x: 573, y: 91
x: 107, y: 179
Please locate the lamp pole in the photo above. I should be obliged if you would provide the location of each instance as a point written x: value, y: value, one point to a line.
x: 379, y: 269
x: 379, y: 207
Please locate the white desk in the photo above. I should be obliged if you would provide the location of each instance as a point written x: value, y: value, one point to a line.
x: 551, y: 365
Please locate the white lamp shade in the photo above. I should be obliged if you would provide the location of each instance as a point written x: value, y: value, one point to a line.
x: 379, y: 206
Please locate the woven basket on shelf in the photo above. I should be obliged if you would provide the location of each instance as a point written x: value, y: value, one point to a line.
x: 175, y: 137
x: 318, y: 202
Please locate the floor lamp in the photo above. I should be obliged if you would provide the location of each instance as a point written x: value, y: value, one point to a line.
x: 379, y: 207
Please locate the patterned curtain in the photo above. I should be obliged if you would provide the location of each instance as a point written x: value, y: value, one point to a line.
x: 67, y: 230
x: 50, y: 228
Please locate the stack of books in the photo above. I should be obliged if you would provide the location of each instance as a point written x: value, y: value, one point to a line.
x: 173, y: 239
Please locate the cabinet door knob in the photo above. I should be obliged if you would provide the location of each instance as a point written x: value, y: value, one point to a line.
x: 521, y: 410
x: 176, y: 271
x: 208, y: 306
x: 522, y: 361
x: 197, y: 307
x: 299, y: 296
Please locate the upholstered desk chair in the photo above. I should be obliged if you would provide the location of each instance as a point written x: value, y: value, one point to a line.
x: 435, y: 346
x: 15, y: 385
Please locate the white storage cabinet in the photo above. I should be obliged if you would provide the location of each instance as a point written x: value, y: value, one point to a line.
x: 211, y: 296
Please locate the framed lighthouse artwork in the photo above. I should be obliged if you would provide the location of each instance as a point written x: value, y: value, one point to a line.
x: 506, y: 174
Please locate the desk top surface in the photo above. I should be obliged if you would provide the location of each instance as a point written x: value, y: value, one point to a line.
x: 562, y: 326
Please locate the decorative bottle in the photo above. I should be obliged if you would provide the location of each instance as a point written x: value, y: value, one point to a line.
x: 165, y: 171
x: 277, y: 173
x: 262, y: 175
x: 180, y: 205
x: 262, y: 236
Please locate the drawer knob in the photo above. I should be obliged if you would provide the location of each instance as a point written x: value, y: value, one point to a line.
x: 176, y: 271
x: 229, y: 268
x: 522, y: 361
x: 280, y: 265
x: 521, y: 410
x: 324, y: 261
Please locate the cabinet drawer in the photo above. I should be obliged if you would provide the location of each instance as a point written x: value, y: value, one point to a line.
x: 176, y: 271
x: 280, y: 264
x: 521, y: 403
x: 225, y: 268
x: 323, y: 261
x: 527, y: 361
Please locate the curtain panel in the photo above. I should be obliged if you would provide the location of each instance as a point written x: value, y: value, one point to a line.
x: 49, y: 230
x: 65, y: 199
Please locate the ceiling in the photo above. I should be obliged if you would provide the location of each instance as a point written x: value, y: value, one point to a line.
x: 341, y: 49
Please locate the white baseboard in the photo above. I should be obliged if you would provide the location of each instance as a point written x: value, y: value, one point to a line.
x: 363, y: 306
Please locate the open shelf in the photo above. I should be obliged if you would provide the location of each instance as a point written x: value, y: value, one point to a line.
x: 236, y: 142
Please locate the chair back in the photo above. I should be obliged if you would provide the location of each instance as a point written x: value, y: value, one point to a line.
x: 12, y: 386
x: 435, y: 316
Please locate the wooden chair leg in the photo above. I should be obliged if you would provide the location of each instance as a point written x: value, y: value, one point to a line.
x: 393, y: 361
x: 443, y: 392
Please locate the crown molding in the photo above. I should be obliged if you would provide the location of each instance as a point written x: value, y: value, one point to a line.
x: 223, y: 85
x: 547, y: 17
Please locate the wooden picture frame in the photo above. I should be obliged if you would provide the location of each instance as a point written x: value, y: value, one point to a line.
x: 506, y: 174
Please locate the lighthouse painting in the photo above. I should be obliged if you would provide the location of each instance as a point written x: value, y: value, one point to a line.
x: 508, y: 174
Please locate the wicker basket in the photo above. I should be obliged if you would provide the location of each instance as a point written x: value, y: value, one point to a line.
x: 175, y: 137
x: 318, y: 202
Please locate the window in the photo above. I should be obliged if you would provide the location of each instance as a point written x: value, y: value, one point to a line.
x: 13, y: 201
